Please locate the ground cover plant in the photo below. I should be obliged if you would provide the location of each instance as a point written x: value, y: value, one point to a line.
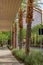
x: 35, y: 57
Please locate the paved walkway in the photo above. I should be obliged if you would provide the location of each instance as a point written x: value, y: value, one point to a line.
x: 6, y: 58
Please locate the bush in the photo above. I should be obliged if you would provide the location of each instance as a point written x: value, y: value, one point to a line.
x: 34, y: 57
x: 9, y: 47
x: 20, y: 54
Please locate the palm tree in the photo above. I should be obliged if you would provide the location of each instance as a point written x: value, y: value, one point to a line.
x: 20, y: 26
x: 29, y: 18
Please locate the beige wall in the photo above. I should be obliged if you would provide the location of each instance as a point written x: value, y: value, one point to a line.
x: 5, y: 25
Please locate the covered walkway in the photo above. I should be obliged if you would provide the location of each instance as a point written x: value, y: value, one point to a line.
x: 6, y: 58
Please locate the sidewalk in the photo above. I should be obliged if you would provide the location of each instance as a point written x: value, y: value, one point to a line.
x: 6, y: 58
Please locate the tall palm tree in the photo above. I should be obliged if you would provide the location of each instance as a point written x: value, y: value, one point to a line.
x: 20, y: 26
x: 29, y: 18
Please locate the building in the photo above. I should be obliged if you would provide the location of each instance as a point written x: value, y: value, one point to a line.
x: 37, y: 15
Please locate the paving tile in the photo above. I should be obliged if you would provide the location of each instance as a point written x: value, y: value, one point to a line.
x: 6, y: 57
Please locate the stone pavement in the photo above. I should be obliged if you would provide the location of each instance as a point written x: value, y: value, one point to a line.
x: 6, y: 58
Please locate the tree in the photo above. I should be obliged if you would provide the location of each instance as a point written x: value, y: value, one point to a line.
x: 20, y: 26
x: 29, y: 18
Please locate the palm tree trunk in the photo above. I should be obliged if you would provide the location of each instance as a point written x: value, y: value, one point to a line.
x: 29, y: 18
x: 21, y: 26
x: 28, y: 38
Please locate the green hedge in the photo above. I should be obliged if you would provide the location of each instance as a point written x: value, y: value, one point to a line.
x: 34, y: 58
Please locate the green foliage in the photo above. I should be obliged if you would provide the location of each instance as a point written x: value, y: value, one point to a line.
x: 20, y: 54
x: 34, y: 58
x: 4, y: 36
x: 35, y: 31
x: 23, y: 34
x: 9, y: 47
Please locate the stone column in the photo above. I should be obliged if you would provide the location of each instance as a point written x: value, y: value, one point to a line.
x: 17, y: 33
x: 42, y: 17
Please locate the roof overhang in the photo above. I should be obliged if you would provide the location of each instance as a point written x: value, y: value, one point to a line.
x: 8, y: 10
